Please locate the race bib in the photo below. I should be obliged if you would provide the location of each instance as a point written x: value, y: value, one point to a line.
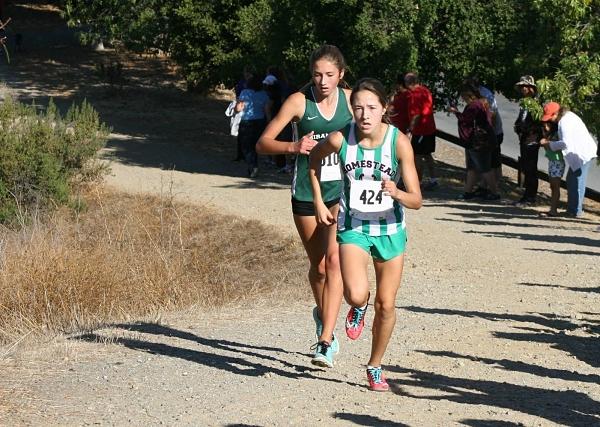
x: 330, y: 168
x: 367, y: 200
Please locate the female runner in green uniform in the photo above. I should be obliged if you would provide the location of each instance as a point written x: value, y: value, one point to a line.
x: 320, y: 108
x: 371, y: 215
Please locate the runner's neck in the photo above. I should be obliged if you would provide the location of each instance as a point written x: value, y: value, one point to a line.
x: 375, y: 139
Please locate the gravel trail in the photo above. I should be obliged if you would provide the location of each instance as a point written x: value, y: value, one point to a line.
x: 498, y: 313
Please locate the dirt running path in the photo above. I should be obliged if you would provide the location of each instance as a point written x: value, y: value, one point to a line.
x: 498, y: 315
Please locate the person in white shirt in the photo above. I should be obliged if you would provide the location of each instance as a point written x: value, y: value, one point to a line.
x: 578, y: 148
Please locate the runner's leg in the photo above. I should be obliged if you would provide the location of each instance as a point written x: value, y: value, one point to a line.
x: 333, y: 289
x: 315, y: 245
x: 353, y: 263
x: 388, y: 275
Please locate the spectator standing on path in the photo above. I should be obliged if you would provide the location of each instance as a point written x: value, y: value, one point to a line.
x: 398, y: 113
x: 243, y: 82
x: 497, y: 123
x: 371, y: 218
x: 255, y: 105
x: 421, y: 128
x: 239, y: 87
x: 578, y: 149
x: 556, y: 166
x: 478, y: 159
x: 319, y: 108
x: 273, y: 88
x: 529, y: 132
x: 279, y: 90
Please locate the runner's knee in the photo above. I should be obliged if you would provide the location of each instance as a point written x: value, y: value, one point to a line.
x: 318, y: 271
x: 332, y: 261
x: 356, y: 297
x: 385, y: 309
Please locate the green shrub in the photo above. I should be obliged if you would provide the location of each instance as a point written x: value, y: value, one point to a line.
x: 43, y: 155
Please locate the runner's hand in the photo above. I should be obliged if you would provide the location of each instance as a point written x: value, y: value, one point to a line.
x: 306, y: 143
x: 323, y: 215
x: 389, y: 188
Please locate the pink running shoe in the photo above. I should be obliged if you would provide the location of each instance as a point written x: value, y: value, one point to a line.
x: 355, y: 322
x: 377, y: 380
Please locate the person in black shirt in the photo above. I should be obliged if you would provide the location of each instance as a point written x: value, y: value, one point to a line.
x: 529, y: 132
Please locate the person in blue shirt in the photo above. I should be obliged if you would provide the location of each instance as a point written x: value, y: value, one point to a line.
x: 241, y: 84
x: 255, y: 105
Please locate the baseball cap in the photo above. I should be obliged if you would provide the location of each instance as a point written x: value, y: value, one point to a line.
x: 526, y: 81
x: 270, y: 80
x: 550, y: 109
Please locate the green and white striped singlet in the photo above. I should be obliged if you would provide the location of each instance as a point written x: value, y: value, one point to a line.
x: 363, y: 206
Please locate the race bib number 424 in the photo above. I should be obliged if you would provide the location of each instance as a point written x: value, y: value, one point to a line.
x: 367, y: 197
x: 330, y: 168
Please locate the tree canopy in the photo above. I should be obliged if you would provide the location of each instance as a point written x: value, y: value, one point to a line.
x: 556, y: 41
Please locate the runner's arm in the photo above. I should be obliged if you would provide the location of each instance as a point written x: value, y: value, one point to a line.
x: 411, y: 198
x: 291, y: 110
x: 332, y: 144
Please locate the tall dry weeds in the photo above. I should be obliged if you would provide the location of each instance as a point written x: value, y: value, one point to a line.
x: 128, y: 256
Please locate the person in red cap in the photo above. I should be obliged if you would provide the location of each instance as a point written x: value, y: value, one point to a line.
x: 529, y: 132
x: 578, y: 148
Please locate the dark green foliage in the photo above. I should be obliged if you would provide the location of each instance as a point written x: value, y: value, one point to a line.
x: 564, y: 53
x: 42, y: 154
x: 556, y: 41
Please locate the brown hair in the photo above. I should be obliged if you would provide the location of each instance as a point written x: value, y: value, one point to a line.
x: 562, y: 111
x: 469, y: 89
x: 329, y: 52
x: 332, y: 54
x: 374, y: 86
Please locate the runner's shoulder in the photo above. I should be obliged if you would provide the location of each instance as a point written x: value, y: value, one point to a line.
x: 347, y: 92
x: 296, y: 103
x: 336, y: 138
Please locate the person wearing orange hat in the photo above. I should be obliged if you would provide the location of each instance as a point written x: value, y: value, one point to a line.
x: 578, y: 148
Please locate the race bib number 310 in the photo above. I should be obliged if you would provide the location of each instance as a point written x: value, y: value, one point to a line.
x: 366, y: 197
x: 330, y: 168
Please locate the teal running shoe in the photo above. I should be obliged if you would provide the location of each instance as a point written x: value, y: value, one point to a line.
x: 335, y: 344
x: 318, y: 322
x: 323, y: 355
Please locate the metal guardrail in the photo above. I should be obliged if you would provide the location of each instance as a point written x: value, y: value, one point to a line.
x: 590, y: 193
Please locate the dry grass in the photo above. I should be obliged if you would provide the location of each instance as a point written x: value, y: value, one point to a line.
x: 128, y: 256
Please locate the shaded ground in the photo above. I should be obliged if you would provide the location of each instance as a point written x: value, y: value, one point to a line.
x: 498, y: 318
